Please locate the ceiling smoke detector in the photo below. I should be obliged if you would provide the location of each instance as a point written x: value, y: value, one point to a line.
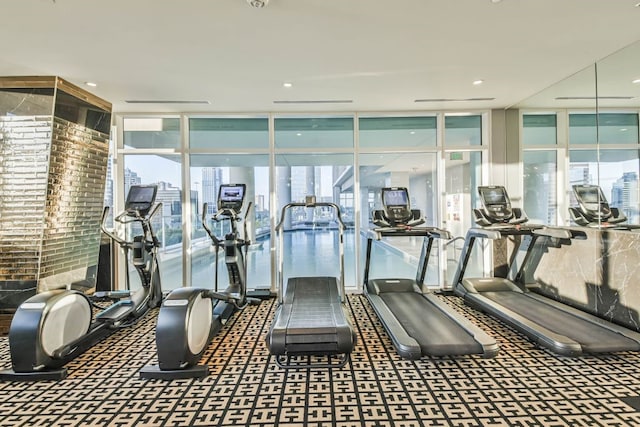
x: 258, y: 3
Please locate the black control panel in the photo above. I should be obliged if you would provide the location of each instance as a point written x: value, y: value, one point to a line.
x: 395, y: 201
x: 231, y: 197
x: 140, y: 199
x: 495, y: 202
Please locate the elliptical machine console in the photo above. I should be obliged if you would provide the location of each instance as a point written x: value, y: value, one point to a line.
x: 53, y: 327
x: 190, y: 317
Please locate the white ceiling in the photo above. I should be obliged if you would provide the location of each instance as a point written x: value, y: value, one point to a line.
x: 382, y: 55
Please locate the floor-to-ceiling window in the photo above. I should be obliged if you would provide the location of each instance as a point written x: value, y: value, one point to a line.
x: 314, y: 157
x: 229, y: 150
x: 341, y: 158
x: 149, y: 154
x: 398, y: 152
x: 465, y: 168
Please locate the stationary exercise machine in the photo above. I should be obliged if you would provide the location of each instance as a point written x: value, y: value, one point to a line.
x: 547, y: 322
x: 418, y: 322
x: 593, y: 210
x: 310, y: 319
x: 189, y: 318
x: 51, y: 328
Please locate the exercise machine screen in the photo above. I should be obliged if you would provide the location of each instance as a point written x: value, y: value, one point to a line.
x: 141, y: 198
x: 231, y: 196
x: 396, y: 203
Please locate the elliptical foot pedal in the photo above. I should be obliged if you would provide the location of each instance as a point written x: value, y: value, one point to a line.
x: 48, y: 375
x: 153, y: 372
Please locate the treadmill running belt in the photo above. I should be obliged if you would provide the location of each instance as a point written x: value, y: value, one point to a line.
x: 591, y: 337
x: 436, y: 333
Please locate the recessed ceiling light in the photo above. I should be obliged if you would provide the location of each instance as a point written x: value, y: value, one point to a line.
x: 413, y: 132
x: 298, y: 134
x: 496, y: 1
x: 624, y: 130
x: 636, y: 81
x: 92, y: 84
x: 287, y: 84
x: 478, y: 82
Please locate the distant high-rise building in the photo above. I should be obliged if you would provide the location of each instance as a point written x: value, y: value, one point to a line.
x: 130, y: 178
x: 624, y: 195
x: 211, y: 181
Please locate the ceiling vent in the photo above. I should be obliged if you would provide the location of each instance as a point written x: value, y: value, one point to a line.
x: 316, y: 101
x: 151, y: 101
x: 581, y: 98
x: 453, y: 99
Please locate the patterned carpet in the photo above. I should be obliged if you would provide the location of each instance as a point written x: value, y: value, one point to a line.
x: 522, y: 386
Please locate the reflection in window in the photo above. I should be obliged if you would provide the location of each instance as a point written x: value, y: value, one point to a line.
x: 314, y: 132
x: 463, y: 175
x: 310, y: 236
x: 380, y: 132
x: 608, y: 128
x: 229, y: 133
x: 539, y: 129
x: 208, y: 172
x: 398, y: 257
x: 155, y: 132
x: 540, y: 201
x: 462, y: 130
x: 165, y: 172
x: 616, y: 173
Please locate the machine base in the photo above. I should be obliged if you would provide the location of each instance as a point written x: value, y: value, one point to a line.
x: 51, y: 375
x: 153, y: 372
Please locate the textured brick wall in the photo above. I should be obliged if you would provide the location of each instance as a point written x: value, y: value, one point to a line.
x: 52, y: 178
x: 24, y: 158
x: 75, y: 194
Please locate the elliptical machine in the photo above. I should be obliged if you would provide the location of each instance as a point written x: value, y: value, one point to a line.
x: 51, y: 328
x: 189, y: 318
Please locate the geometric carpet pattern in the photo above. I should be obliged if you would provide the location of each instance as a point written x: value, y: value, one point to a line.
x: 522, y: 386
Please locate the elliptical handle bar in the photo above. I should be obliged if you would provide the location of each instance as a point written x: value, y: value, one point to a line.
x: 217, y: 242
x: 110, y: 234
x: 125, y: 218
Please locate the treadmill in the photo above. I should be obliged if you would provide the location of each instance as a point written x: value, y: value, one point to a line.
x: 562, y: 329
x: 418, y: 323
x: 593, y: 210
x: 311, y: 319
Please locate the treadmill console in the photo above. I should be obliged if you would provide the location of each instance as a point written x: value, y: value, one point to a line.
x: 140, y: 199
x: 496, y: 208
x: 592, y: 201
x: 395, y: 203
x: 593, y: 210
x: 231, y: 197
x: 496, y: 203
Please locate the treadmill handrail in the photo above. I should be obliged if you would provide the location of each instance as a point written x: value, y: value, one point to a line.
x: 308, y: 205
x: 555, y: 232
x: 280, y: 233
x: 434, y: 232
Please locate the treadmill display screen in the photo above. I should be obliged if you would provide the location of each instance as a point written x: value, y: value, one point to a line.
x: 588, y: 194
x: 494, y: 196
x: 395, y: 197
